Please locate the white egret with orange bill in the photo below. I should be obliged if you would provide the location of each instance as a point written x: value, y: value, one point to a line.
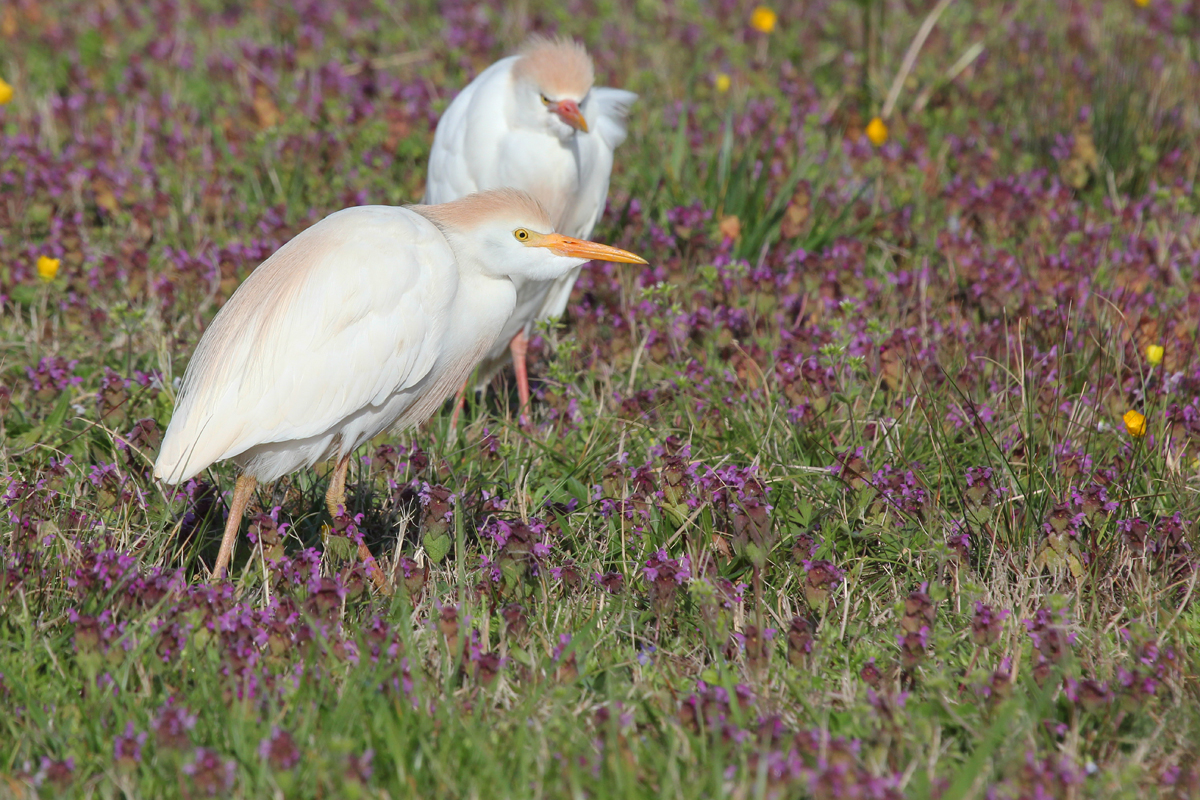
x: 532, y: 121
x: 366, y: 321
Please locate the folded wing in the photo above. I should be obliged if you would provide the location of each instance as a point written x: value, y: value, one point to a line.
x: 337, y: 320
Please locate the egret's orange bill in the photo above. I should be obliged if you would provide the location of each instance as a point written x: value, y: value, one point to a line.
x: 570, y: 113
x: 578, y: 248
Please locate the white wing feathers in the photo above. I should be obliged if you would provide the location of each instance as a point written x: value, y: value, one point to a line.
x: 611, y: 109
x: 312, y: 350
x: 468, y: 136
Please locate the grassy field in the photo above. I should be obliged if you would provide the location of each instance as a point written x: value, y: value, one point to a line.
x: 881, y: 480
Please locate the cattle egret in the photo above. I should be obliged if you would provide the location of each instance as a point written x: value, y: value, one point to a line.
x: 535, y: 122
x: 366, y: 321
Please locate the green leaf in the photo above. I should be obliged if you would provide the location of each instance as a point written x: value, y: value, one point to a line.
x: 28, y: 439
x: 436, y: 547
x: 25, y: 294
x: 512, y: 571
x: 339, y: 547
x: 59, y: 414
x: 578, y: 490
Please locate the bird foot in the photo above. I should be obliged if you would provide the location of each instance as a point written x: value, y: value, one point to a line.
x: 382, y: 584
x: 370, y: 565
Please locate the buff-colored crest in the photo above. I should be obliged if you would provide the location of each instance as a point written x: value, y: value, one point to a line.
x: 559, y: 67
x: 475, y: 209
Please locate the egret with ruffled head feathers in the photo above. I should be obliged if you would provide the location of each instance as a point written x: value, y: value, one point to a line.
x: 366, y: 321
x: 533, y: 121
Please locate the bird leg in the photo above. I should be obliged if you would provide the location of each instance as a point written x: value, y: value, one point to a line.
x: 460, y: 400
x: 335, y: 499
x: 242, y: 491
x: 519, y: 345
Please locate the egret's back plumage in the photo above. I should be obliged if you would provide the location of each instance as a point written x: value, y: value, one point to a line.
x: 307, y: 310
x: 491, y: 136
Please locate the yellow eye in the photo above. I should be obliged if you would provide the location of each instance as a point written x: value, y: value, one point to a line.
x: 545, y: 100
x: 521, y: 234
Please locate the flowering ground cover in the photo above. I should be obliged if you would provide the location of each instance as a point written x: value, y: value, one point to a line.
x: 880, y: 480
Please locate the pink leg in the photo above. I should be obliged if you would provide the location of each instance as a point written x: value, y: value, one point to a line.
x: 335, y: 500
x: 460, y: 400
x: 519, y: 345
x: 242, y: 491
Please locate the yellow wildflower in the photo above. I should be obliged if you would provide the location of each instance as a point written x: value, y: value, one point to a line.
x: 6, y: 92
x: 1142, y: 3
x: 722, y: 82
x: 47, y: 268
x: 1135, y: 423
x: 877, y: 131
x: 1154, y: 354
x: 763, y: 19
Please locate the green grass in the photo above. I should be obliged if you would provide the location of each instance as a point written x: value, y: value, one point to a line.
x: 823, y: 387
